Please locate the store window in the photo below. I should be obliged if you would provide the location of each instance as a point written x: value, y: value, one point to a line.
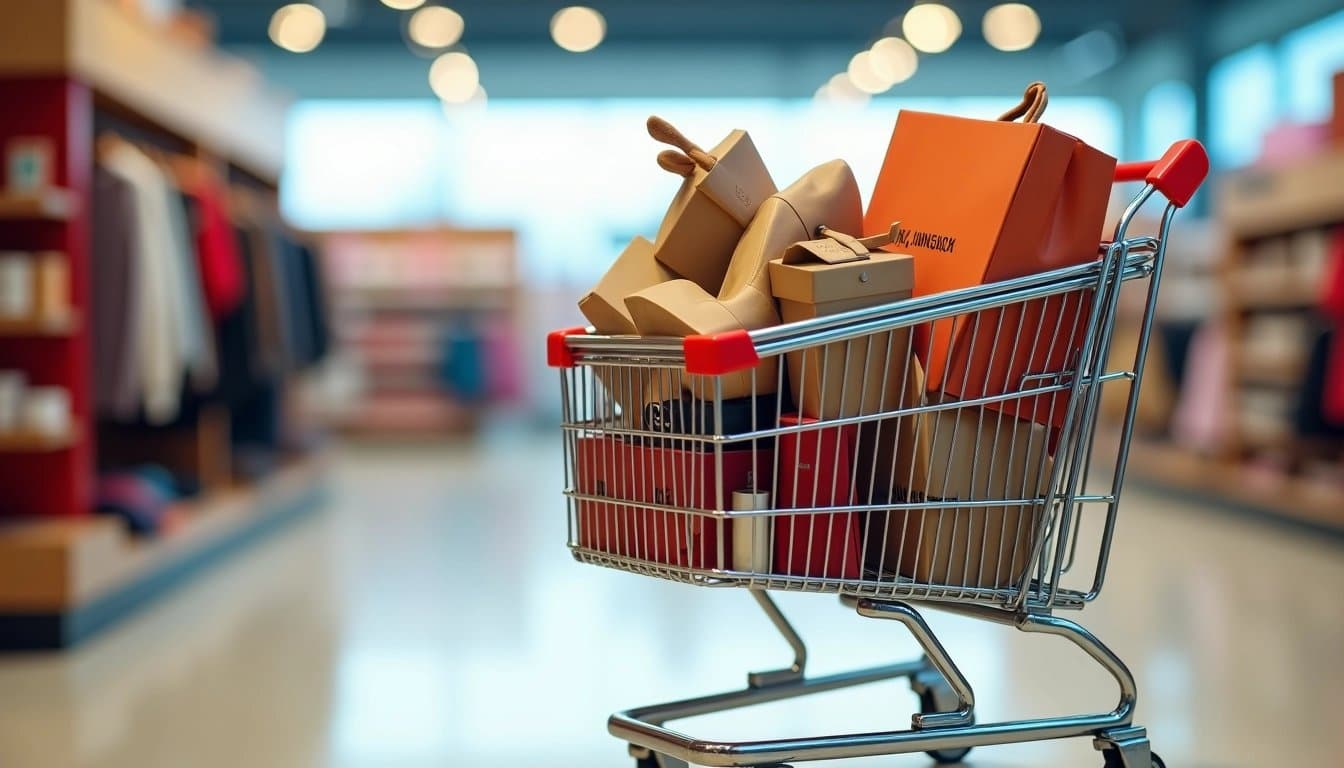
x: 1243, y: 105
x: 1310, y: 56
x: 1167, y: 116
x: 576, y: 178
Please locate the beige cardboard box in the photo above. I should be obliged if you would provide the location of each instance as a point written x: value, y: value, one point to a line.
x: 846, y: 378
x: 634, y: 270
x: 711, y: 210
x: 892, y: 455
x: 975, y: 455
x: 604, y: 306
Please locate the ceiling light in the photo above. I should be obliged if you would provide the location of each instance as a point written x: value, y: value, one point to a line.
x: 436, y: 27
x: 894, y: 59
x: 578, y: 29
x: 865, y: 76
x: 1011, y: 26
x: 842, y: 90
x: 403, y: 5
x: 454, y: 77
x: 298, y: 27
x: 931, y: 27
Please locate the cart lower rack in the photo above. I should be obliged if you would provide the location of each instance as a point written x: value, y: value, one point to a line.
x: 990, y: 497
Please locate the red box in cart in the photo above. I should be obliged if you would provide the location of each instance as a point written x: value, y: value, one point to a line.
x: 815, y: 471
x: 611, y: 467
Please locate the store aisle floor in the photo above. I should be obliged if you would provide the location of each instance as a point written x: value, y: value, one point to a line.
x: 431, y: 616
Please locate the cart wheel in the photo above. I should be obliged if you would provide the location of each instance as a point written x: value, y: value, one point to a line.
x: 1113, y: 759
x: 928, y: 704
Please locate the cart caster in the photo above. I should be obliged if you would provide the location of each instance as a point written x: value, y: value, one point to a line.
x: 647, y: 758
x: 1114, y: 760
x: 928, y: 704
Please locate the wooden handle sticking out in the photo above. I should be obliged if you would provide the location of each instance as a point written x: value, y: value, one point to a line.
x: 690, y: 156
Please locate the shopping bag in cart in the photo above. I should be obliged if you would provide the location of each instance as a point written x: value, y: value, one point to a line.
x: 982, y: 201
x: 815, y: 471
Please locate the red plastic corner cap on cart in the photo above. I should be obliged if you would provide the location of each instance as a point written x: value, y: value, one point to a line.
x: 1177, y: 174
x: 719, y: 353
x: 557, y: 352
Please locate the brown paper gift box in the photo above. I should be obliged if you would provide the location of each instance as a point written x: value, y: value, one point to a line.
x: 982, y: 201
x: 845, y: 378
x: 604, y: 306
x: 634, y: 270
x: 826, y: 194
x: 713, y: 207
x: 984, y: 547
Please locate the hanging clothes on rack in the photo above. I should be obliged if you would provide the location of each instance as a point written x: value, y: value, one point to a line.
x: 217, y: 255
x: 175, y: 339
x: 116, y: 295
x: 1332, y: 305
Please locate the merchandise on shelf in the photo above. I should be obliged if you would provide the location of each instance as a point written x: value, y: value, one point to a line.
x: 29, y: 164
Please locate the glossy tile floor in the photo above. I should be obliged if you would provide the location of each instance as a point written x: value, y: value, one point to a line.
x: 431, y: 616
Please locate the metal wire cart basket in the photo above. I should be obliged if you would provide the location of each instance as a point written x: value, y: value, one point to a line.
x: 970, y: 496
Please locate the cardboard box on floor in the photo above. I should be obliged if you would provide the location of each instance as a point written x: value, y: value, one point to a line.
x: 975, y: 455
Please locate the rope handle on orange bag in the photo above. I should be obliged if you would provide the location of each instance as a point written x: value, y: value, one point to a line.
x: 682, y: 163
x: 1032, y: 105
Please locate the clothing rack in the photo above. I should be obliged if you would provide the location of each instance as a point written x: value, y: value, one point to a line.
x: 81, y: 69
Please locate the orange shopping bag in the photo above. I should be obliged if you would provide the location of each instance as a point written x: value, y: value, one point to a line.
x: 986, y: 200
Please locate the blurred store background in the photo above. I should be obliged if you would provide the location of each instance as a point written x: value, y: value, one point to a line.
x: 365, y: 215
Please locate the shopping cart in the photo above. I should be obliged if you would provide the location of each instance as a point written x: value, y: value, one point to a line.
x: 988, y: 502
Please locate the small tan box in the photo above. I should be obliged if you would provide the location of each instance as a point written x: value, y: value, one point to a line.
x: 844, y: 378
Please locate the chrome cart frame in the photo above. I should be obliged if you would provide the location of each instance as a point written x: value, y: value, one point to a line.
x: 648, y: 489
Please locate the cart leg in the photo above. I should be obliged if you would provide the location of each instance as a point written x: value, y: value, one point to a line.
x: 1126, y: 748
x: 964, y: 712
x: 792, y: 673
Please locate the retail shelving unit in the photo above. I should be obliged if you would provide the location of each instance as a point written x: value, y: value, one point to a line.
x: 1276, y: 222
x: 396, y: 293
x: 63, y: 64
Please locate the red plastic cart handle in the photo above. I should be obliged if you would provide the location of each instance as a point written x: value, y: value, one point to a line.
x: 1177, y: 174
